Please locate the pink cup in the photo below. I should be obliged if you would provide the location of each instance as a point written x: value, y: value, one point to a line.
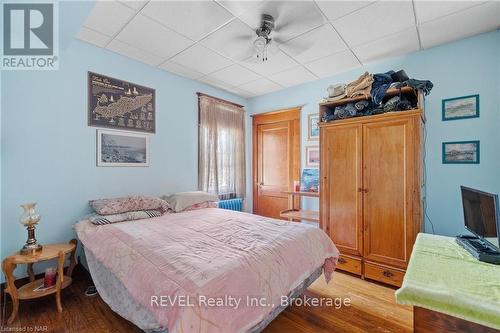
x: 50, y: 277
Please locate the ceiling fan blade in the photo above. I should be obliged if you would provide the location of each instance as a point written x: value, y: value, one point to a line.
x: 298, y: 15
x: 296, y: 47
x: 242, y: 38
x: 278, y: 40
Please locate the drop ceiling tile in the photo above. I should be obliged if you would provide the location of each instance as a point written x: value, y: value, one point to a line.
x: 293, y: 77
x: 201, y: 59
x: 239, y: 92
x: 260, y: 87
x: 175, y: 68
x: 375, y: 21
x: 333, y: 64
x: 336, y: 9
x: 394, y: 45
x: 234, y: 75
x: 146, y: 34
x: 108, y: 17
x: 214, y: 82
x: 463, y: 24
x: 193, y: 19
x: 277, y: 62
x: 314, y: 44
x: 238, y: 7
x: 93, y: 37
x: 134, y: 53
x: 430, y: 10
x: 292, y: 18
x: 134, y: 4
x: 234, y: 40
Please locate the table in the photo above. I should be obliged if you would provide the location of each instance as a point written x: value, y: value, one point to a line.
x: 48, y: 252
x: 451, y: 291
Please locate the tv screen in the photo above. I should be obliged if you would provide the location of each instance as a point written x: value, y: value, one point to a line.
x: 481, y: 214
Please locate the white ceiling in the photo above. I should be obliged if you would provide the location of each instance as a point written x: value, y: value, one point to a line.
x: 211, y: 41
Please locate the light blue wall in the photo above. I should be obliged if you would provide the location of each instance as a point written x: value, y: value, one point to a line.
x: 49, y: 152
x: 470, y: 66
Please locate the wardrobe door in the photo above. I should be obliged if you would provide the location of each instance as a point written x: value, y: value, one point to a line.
x: 340, y: 183
x: 388, y: 183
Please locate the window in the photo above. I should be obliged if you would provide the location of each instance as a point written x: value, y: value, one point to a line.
x: 221, y: 148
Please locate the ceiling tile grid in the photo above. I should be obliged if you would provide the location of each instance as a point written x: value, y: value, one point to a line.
x: 212, y: 41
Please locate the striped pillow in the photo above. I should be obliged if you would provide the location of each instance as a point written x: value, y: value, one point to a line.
x: 129, y: 216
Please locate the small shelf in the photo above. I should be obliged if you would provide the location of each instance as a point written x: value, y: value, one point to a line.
x: 27, y: 291
x: 303, y: 194
x: 305, y: 215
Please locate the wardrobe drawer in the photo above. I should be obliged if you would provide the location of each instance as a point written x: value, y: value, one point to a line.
x: 349, y: 264
x: 384, y: 274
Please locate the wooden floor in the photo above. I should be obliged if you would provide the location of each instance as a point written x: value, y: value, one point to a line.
x: 372, y: 309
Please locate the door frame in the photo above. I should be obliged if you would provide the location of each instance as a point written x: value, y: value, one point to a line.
x: 293, y: 116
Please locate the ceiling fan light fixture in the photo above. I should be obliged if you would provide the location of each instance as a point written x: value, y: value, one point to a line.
x: 260, y: 45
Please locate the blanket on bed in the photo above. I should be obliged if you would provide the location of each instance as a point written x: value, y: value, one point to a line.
x: 444, y: 277
x: 209, y: 270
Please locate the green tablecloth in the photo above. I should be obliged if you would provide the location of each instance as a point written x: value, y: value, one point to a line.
x: 444, y: 277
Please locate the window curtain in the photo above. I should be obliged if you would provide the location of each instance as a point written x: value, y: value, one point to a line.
x: 221, y: 148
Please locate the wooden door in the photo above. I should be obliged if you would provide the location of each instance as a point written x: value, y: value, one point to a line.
x: 341, y: 199
x: 276, y: 160
x: 389, y: 165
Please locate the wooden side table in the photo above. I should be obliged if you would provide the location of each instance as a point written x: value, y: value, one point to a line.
x: 50, y: 251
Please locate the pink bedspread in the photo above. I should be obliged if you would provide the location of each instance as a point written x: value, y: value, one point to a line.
x: 209, y: 254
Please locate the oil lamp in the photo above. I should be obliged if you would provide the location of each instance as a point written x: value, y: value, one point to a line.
x: 29, y: 219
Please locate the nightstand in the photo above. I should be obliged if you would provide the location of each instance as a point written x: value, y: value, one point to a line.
x: 48, y: 252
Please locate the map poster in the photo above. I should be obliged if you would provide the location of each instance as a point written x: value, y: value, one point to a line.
x: 120, y: 104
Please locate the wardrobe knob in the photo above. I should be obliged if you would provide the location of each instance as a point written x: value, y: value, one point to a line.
x: 387, y: 273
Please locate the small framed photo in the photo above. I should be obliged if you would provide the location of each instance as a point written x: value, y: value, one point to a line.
x: 460, y: 107
x: 313, y: 127
x: 309, y: 181
x: 119, y: 148
x: 312, y: 157
x: 461, y: 152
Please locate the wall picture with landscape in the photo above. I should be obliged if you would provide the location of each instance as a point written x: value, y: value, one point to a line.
x: 461, y: 152
x: 460, y: 107
x: 116, y: 148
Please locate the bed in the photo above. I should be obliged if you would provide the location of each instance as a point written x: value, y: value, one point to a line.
x: 186, y: 271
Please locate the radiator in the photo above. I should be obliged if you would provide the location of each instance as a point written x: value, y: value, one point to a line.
x: 232, y: 204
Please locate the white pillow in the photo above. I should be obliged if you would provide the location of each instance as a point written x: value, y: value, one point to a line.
x: 182, y: 200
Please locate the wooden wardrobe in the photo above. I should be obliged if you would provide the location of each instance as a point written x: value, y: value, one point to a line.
x: 370, y: 190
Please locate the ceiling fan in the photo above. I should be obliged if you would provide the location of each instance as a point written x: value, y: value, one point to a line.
x: 264, y: 39
x: 263, y: 36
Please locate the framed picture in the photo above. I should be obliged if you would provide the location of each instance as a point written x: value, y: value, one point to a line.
x: 310, y: 180
x: 460, y: 107
x: 119, y: 104
x: 461, y: 152
x: 313, y: 127
x: 118, y: 148
x: 312, y: 156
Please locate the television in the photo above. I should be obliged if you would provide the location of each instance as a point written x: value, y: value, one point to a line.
x: 482, y: 215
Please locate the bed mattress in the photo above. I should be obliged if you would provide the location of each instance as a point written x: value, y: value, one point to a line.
x: 199, y: 256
